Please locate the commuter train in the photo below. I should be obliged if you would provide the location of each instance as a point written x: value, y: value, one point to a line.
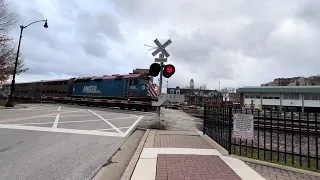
x: 132, y: 91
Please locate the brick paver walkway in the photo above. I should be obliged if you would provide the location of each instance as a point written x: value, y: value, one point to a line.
x: 271, y: 173
x: 193, y: 167
x: 180, y: 141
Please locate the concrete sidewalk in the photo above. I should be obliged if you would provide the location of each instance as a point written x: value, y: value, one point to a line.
x: 185, y: 155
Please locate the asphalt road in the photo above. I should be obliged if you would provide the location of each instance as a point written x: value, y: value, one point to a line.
x: 61, y: 142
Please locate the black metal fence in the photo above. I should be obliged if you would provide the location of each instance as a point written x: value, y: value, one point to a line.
x: 288, y: 138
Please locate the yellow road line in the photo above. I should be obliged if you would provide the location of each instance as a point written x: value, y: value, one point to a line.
x: 37, y: 116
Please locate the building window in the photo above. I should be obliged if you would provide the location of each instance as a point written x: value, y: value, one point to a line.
x: 307, y: 97
x: 314, y: 97
x: 246, y: 96
x: 172, y: 91
x: 258, y: 97
x: 292, y: 96
x: 296, y: 96
x: 177, y: 91
x: 286, y: 96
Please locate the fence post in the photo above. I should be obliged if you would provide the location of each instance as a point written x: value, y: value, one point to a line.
x: 204, y: 119
x: 230, y: 130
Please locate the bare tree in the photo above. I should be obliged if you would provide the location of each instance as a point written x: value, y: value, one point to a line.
x: 199, y: 93
x: 203, y: 87
x: 196, y: 93
x: 235, y: 96
x: 8, y: 20
x: 225, y: 92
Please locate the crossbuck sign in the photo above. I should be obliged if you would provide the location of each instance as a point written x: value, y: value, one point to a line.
x: 161, y: 48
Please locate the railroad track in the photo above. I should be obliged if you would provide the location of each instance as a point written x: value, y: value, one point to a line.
x: 295, y: 125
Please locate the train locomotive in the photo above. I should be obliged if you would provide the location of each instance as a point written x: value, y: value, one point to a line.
x: 132, y: 91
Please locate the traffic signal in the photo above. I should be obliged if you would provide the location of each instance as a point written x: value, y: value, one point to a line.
x: 168, y: 70
x: 154, y: 69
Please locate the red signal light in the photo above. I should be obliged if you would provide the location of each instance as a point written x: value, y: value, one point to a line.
x: 169, y: 69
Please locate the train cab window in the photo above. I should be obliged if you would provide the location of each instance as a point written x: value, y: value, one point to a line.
x: 144, y: 81
x: 133, y: 82
x: 98, y: 79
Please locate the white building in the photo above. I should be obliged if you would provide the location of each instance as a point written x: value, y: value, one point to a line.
x: 298, y: 98
x: 191, y: 84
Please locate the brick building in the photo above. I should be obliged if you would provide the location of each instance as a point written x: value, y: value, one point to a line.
x: 197, y: 97
x: 295, y: 81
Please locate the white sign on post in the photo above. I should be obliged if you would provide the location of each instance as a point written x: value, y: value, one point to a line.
x: 243, y: 126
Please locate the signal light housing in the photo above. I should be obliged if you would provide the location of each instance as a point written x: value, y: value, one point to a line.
x: 154, y: 69
x: 168, y: 70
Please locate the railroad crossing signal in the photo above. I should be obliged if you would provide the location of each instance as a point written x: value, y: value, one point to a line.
x: 154, y: 69
x: 168, y: 70
x: 161, y: 48
x: 161, y: 59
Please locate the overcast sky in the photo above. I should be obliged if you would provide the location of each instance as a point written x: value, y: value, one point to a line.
x: 240, y: 43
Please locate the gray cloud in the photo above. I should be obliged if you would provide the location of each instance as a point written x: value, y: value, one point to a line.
x: 76, y: 42
x: 239, y: 42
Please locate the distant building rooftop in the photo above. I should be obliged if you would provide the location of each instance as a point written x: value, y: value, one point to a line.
x: 279, y: 89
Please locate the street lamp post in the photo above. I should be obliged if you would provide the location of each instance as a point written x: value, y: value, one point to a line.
x: 10, y: 103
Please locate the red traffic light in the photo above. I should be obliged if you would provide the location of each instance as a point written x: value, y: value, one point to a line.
x: 168, y: 71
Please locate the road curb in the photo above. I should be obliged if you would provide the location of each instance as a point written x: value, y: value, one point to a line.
x: 214, y: 144
x: 132, y: 164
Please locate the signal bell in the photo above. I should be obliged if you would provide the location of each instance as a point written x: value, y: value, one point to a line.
x: 154, y: 69
x: 168, y: 70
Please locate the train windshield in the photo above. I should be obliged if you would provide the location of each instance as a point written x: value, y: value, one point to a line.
x: 144, y: 79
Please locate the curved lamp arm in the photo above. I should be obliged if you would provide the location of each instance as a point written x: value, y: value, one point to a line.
x: 45, y: 24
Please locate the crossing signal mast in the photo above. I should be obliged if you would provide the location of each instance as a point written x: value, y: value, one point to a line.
x: 155, y: 68
x: 164, y: 70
